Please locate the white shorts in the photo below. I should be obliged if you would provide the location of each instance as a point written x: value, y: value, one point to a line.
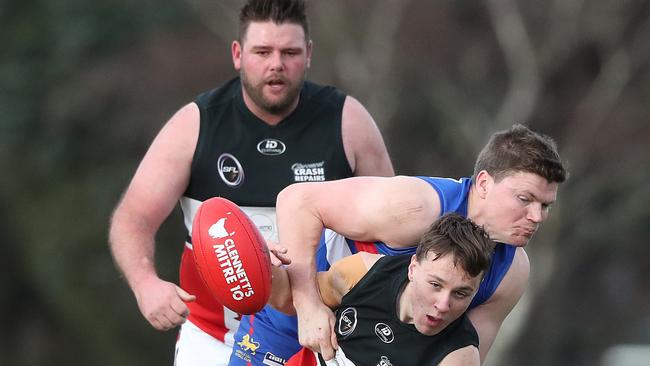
x: 195, y: 347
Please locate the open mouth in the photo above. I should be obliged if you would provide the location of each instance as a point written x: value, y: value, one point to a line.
x: 276, y: 83
x: 433, y: 321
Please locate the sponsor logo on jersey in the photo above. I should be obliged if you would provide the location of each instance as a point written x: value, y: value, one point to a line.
x: 264, y: 225
x: 248, y: 344
x: 383, y: 331
x: 243, y: 355
x: 309, y: 172
x: 273, y: 360
x: 384, y: 361
x: 229, y: 261
x: 347, y: 321
x: 271, y: 147
x: 230, y: 170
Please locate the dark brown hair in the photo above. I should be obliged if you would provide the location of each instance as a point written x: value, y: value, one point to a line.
x: 467, y: 242
x: 277, y: 11
x: 520, y: 149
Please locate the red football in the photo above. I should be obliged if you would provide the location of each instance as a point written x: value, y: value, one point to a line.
x: 231, y: 256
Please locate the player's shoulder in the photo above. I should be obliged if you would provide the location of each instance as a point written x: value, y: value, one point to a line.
x: 315, y: 95
x: 446, y: 183
x: 311, y: 89
x: 219, y: 95
x: 183, y: 125
x: 409, y: 187
x: 390, y: 264
x: 369, y: 259
x: 466, y: 356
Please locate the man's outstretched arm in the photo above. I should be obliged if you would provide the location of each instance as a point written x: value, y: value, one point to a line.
x: 394, y: 210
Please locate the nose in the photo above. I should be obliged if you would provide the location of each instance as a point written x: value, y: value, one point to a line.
x: 276, y: 62
x: 442, y: 303
x: 535, y: 213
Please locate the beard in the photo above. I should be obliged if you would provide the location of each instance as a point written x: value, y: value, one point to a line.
x: 277, y: 106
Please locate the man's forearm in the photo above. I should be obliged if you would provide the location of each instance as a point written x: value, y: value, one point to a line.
x: 300, y: 229
x: 281, y: 298
x: 133, y: 252
x: 303, y: 284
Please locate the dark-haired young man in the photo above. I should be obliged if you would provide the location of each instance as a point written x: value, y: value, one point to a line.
x: 407, y: 309
x: 245, y: 140
x: 515, y: 181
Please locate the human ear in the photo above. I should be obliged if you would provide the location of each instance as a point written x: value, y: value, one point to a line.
x: 483, y: 180
x: 412, y: 265
x: 236, y: 50
x: 310, y: 47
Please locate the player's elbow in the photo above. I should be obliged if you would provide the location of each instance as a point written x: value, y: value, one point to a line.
x: 115, y: 226
x: 297, y: 200
x: 127, y: 225
x: 291, y: 197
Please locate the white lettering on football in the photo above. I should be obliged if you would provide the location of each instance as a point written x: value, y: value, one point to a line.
x: 233, y: 269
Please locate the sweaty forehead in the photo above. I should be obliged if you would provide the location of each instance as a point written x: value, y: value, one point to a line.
x: 445, y: 269
x: 271, y: 34
x: 532, y: 183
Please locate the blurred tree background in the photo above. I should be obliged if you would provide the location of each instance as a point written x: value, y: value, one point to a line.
x: 86, y: 85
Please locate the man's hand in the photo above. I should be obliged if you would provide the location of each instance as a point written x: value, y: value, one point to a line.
x: 278, y: 253
x: 163, y: 303
x: 316, y: 329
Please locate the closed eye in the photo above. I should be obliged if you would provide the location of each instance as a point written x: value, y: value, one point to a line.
x: 523, y: 199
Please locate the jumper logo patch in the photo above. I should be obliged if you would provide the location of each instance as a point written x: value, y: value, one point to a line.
x: 309, y: 172
x: 265, y: 220
x: 347, y: 321
x: 248, y: 344
x: 271, y: 147
x: 384, y: 361
x: 264, y: 225
x: 273, y: 360
x: 383, y: 331
x: 230, y: 170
